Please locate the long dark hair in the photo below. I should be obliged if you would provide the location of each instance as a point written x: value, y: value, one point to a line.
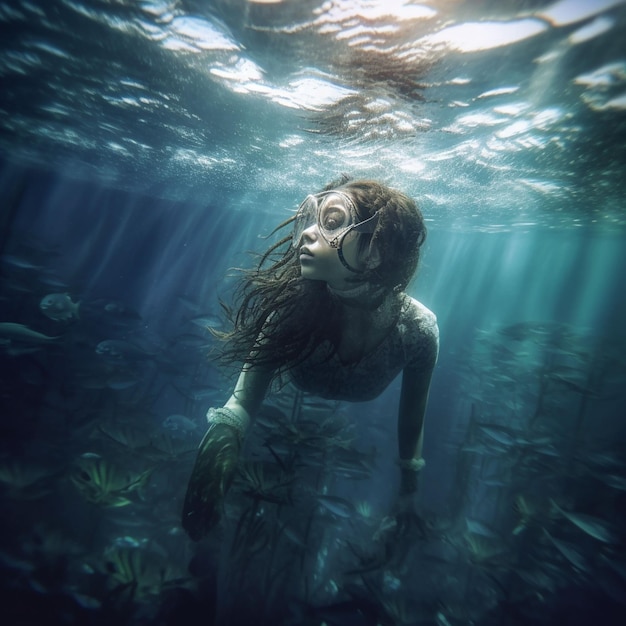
x: 279, y: 318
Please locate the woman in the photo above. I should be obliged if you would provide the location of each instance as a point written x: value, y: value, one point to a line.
x: 330, y: 313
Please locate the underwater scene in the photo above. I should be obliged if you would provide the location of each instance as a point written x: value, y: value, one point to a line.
x: 148, y: 151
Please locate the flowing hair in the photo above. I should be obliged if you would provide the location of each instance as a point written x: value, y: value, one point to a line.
x: 279, y: 318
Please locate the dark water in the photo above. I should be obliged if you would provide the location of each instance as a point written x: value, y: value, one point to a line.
x: 147, y: 146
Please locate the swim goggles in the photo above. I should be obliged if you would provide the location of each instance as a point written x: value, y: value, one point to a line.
x: 335, y: 215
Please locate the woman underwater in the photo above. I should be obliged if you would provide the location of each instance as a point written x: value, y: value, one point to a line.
x: 331, y: 315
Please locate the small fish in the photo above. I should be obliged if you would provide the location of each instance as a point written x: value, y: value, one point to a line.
x: 615, y: 481
x: 590, y: 525
x: 19, y: 262
x: 119, y: 309
x: 548, y: 450
x: 59, y: 307
x: 479, y: 528
x: 337, y: 506
x: 23, y: 334
x: 179, y: 424
x: 575, y: 386
x: 441, y: 619
x: 21, y: 350
x: 52, y: 281
x: 112, y: 312
x: 499, y: 434
x: 207, y: 321
x: 476, y: 448
x: 568, y: 552
x: 494, y: 482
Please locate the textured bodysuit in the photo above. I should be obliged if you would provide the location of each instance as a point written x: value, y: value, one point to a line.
x: 413, y: 342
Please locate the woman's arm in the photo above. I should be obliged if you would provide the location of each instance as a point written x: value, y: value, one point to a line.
x: 413, y: 400
x: 248, y: 394
x: 218, y: 453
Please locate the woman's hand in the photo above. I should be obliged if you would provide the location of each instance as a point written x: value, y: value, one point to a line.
x: 210, y: 479
x: 405, y: 511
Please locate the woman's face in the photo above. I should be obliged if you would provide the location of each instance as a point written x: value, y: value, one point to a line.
x: 319, y: 261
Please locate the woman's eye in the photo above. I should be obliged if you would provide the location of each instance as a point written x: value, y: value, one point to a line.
x: 332, y: 221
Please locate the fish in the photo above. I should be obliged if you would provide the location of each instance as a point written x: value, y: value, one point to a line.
x: 59, y: 307
x: 501, y: 435
x: 441, y: 619
x: 337, y: 506
x: 20, y: 333
x: 110, y: 313
x: 119, y: 309
x: 615, y: 481
x: 476, y: 448
x: 50, y: 280
x: 19, y: 350
x: 479, y: 528
x: 179, y: 424
x: 592, y: 526
x: 19, y: 262
x: 574, y: 385
x: 207, y: 320
x: 494, y: 482
x: 568, y: 552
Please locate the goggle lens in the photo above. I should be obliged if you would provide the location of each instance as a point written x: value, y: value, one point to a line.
x: 331, y: 211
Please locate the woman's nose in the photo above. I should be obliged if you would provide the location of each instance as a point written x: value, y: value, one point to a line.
x: 310, y: 234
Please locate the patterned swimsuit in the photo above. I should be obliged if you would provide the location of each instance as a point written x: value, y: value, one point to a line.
x: 413, y: 342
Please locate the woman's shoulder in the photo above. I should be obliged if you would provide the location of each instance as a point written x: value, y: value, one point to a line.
x: 419, y: 331
x: 415, y: 313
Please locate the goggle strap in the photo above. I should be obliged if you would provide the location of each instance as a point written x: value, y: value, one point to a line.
x: 359, y: 227
x: 345, y: 263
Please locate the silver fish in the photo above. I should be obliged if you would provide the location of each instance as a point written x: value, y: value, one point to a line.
x: 590, y: 525
x: 179, y: 424
x: 337, y: 506
x: 568, y: 552
x: 499, y: 434
x: 59, y: 307
x: 23, y: 334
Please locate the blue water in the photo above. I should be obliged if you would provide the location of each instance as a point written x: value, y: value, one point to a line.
x: 146, y: 147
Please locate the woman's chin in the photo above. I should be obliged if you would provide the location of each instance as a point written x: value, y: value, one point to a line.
x: 308, y: 272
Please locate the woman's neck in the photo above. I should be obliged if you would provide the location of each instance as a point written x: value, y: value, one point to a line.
x: 368, y: 314
x: 368, y: 304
